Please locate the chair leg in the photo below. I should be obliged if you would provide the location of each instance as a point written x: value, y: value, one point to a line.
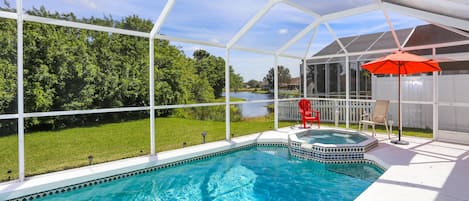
x: 387, y: 129
x: 374, y: 131
x: 359, y: 125
x: 319, y: 124
x: 304, y: 123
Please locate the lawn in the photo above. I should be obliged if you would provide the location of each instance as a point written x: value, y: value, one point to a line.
x: 68, y: 148
x: 232, y: 99
x: 253, y: 90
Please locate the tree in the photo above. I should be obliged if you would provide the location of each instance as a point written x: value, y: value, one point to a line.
x: 366, y: 75
x: 236, y: 80
x: 212, y: 68
x: 76, y: 69
x: 7, y: 66
x: 200, y: 54
x: 254, y: 84
x: 284, y: 77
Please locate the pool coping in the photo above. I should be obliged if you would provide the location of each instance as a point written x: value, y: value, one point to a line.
x: 62, y: 181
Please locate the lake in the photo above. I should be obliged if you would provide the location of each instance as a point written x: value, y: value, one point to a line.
x: 252, y: 109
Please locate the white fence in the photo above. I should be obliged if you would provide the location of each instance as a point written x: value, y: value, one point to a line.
x: 417, y: 91
x: 288, y: 110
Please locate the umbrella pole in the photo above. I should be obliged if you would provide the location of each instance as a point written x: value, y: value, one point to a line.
x: 399, y: 103
x: 399, y: 141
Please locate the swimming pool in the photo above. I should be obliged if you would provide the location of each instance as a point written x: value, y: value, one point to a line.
x: 331, y: 137
x: 256, y: 173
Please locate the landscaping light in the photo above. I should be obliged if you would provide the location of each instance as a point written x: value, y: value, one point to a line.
x: 9, y: 173
x: 90, y: 159
x: 203, y: 136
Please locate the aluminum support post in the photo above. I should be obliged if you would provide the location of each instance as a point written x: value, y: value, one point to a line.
x: 227, y: 96
x: 19, y: 21
x: 276, y: 92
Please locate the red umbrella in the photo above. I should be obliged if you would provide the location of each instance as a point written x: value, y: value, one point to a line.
x: 401, y: 63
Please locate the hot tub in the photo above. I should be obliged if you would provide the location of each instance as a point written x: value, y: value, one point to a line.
x: 330, y: 145
x: 331, y: 137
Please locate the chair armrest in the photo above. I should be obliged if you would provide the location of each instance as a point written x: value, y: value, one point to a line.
x: 365, y: 116
x: 316, y: 113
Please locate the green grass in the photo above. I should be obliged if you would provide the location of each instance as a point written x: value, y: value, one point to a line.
x: 68, y: 148
x: 293, y: 93
x: 232, y: 99
x: 253, y: 90
x: 9, y: 157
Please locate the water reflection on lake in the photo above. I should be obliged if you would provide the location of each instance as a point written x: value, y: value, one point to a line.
x: 253, y: 109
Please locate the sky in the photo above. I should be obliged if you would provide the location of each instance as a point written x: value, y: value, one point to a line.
x: 219, y: 20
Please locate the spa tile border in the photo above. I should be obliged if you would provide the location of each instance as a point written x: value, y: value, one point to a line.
x: 331, y: 154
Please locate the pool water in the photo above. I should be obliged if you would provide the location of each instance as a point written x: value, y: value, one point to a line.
x: 258, y: 173
x: 332, y: 137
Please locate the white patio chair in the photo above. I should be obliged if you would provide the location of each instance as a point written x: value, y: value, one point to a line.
x: 377, y: 117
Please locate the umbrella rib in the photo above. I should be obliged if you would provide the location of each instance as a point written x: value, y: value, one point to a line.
x: 380, y: 66
x: 432, y: 66
x: 384, y: 64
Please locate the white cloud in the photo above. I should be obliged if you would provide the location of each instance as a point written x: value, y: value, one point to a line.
x: 330, y: 6
x: 189, y: 49
x: 87, y: 8
x: 83, y: 3
x: 214, y: 40
x: 282, y: 31
x: 206, y: 20
x: 88, y: 3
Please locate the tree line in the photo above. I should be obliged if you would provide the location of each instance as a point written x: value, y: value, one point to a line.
x: 75, y: 69
x: 284, y: 78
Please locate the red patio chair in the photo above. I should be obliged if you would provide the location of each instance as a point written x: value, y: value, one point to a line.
x: 306, y: 112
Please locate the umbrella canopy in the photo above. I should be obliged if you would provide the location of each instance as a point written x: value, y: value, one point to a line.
x: 401, y: 63
x: 406, y: 62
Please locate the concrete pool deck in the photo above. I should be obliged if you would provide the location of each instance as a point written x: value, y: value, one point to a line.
x: 423, y: 170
